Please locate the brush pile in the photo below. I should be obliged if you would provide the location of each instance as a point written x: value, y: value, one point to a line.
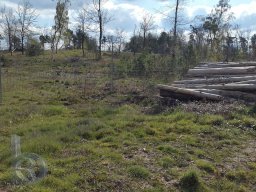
x: 215, y: 82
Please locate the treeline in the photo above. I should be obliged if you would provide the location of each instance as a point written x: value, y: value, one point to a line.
x: 73, y: 40
x: 18, y: 24
x: 212, y: 37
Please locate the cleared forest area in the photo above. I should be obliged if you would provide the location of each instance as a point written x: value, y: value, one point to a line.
x: 93, y: 138
x: 102, y: 96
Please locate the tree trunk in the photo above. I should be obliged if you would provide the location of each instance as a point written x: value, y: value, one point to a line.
x: 83, y: 44
x: 1, y: 90
x: 101, y: 28
x: 56, y: 46
x: 144, y: 39
x: 10, y: 43
x: 22, y: 44
x: 175, y: 29
x: 83, y: 49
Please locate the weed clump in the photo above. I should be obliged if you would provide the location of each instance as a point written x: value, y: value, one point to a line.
x: 206, y: 166
x: 167, y: 162
x: 138, y: 172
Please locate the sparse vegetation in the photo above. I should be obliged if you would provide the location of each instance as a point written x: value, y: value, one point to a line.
x: 127, y: 140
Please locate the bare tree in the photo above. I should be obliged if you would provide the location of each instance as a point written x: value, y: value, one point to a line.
x: 26, y: 18
x: 82, y: 19
x: 146, y: 25
x: 175, y: 26
x: 98, y: 18
x: 120, y: 39
x: 8, y: 25
x: 176, y: 18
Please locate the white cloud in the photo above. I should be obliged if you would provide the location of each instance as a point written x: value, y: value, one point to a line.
x: 8, y: 4
x: 197, y: 9
x: 244, y: 9
x: 133, y: 10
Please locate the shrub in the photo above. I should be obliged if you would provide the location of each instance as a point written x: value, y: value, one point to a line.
x: 190, y: 182
x: 139, y: 65
x: 33, y: 48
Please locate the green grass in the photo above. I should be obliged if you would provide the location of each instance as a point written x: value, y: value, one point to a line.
x: 138, y: 172
x: 205, y: 165
x: 94, y: 140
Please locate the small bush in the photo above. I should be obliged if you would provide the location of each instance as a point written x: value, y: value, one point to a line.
x: 190, y: 182
x: 138, y: 172
x: 139, y: 66
x: 33, y: 48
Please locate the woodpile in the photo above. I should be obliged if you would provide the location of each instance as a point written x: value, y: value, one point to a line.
x: 215, y: 81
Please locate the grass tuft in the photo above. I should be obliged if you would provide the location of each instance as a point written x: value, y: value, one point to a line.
x: 138, y: 172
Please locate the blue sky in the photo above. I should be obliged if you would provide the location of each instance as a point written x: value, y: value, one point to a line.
x: 128, y: 13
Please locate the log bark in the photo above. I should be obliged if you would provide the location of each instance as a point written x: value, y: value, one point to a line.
x: 221, y: 65
x: 233, y: 86
x: 229, y: 86
x: 207, y: 76
x: 223, y: 71
x: 248, y: 97
x: 216, y: 80
x: 247, y: 82
x: 190, y: 92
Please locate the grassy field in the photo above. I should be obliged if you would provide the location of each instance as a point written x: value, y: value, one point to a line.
x: 95, y: 139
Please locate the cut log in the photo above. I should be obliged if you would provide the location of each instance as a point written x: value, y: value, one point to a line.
x: 222, y: 65
x: 233, y: 86
x: 216, y: 80
x: 229, y: 86
x: 189, y: 92
x: 207, y: 76
x: 223, y: 71
x: 247, y: 82
x: 248, y: 97
x: 190, y: 86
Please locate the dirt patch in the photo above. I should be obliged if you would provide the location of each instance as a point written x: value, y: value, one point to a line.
x: 220, y: 108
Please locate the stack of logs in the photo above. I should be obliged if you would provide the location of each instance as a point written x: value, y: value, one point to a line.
x: 215, y: 81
